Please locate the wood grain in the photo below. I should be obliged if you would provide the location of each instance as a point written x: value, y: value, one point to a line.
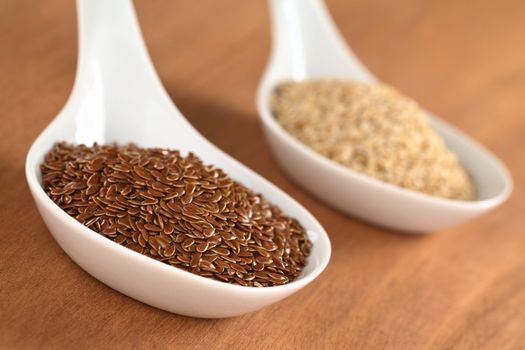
x: 458, y: 289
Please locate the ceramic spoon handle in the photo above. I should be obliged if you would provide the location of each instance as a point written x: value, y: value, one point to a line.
x: 109, y: 33
x: 307, y: 41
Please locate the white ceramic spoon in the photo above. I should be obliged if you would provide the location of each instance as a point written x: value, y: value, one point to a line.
x: 117, y: 97
x: 307, y: 45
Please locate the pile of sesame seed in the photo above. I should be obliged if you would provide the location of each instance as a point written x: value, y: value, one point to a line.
x: 177, y: 210
x: 374, y: 130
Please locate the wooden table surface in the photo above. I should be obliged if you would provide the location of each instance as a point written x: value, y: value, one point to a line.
x: 463, y: 288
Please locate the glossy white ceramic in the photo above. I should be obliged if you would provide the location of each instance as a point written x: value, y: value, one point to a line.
x: 117, y: 97
x: 307, y: 45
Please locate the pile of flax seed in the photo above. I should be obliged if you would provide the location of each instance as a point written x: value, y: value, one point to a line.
x: 374, y: 130
x: 177, y: 210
